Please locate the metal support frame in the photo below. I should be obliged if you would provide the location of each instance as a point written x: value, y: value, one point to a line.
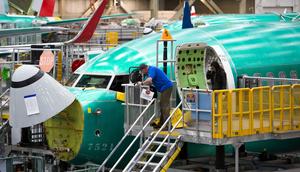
x: 243, y: 7
x: 141, y: 116
x: 242, y: 80
x: 236, y: 159
x: 37, y: 162
x: 124, y: 7
x: 154, y: 6
x: 220, y: 157
x: 139, y: 123
x: 166, y: 60
x: 151, y: 139
x: 215, y: 6
x: 18, y: 50
x: 209, y: 6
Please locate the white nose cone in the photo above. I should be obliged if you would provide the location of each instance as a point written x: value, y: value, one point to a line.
x: 35, y: 97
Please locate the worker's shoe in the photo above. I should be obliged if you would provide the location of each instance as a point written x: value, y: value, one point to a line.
x: 155, y: 125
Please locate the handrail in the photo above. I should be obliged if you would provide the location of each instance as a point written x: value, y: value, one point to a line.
x: 263, y: 107
x: 136, y: 137
x: 3, y: 94
x: 157, y: 132
x: 270, y: 78
x: 123, y: 138
x: 2, y: 105
x: 165, y: 139
x: 163, y: 159
x: 5, y: 124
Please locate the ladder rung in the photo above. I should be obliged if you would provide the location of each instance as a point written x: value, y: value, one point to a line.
x: 150, y: 163
x: 164, y: 144
x: 157, y: 153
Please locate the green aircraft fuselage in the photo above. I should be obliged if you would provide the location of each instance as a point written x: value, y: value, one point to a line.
x: 206, y: 20
x: 32, y: 21
x: 21, y: 21
x: 247, y: 48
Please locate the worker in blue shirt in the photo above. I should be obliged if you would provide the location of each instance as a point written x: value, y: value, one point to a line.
x: 162, y: 84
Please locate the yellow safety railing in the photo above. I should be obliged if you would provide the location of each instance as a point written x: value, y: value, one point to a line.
x: 221, y: 113
x: 242, y: 112
x: 112, y: 38
x: 135, y: 35
x: 296, y: 107
x: 261, y: 110
x: 240, y: 118
x: 281, y: 102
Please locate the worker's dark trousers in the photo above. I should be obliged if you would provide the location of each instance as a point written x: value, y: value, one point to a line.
x: 165, y: 105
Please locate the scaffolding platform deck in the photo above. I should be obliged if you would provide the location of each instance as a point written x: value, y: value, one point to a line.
x: 205, y: 137
x: 224, y: 117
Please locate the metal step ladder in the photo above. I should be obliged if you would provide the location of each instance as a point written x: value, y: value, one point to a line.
x: 159, y: 150
x: 4, y: 110
x: 155, y: 154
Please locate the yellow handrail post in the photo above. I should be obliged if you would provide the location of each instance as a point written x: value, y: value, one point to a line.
x: 229, y: 117
x: 291, y: 106
x: 261, y: 124
x: 295, y: 107
x: 213, y: 115
x: 220, y: 115
x: 270, y: 110
x: 244, y: 111
x: 240, y: 112
x: 281, y: 108
x: 251, y: 123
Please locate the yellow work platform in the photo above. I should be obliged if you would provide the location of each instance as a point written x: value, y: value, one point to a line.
x: 239, y: 115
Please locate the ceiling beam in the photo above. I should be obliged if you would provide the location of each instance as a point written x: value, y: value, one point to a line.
x: 179, y: 12
x: 209, y: 6
x: 243, y: 7
x: 215, y: 6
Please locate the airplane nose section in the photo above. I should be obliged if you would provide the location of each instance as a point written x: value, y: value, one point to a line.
x: 64, y: 132
x: 35, y: 97
x: 103, y: 124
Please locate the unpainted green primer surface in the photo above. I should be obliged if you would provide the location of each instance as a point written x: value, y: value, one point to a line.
x: 65, y: 132
x: 190, y: 68
x: 103, y: 131
x: 20, y: 21
x: 200, y: 21
x: 249, y: 48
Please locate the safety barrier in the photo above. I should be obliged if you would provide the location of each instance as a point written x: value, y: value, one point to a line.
x: 295, y: 107
x: 244, y: 112
x: 261, y: 110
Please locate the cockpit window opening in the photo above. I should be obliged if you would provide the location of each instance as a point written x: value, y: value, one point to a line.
x: 97, y: 81
x: 72, y: 79
x: 118, y: 81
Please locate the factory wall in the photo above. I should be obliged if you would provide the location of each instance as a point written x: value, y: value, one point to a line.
x: 69, y: 8
x: 278, y: 6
